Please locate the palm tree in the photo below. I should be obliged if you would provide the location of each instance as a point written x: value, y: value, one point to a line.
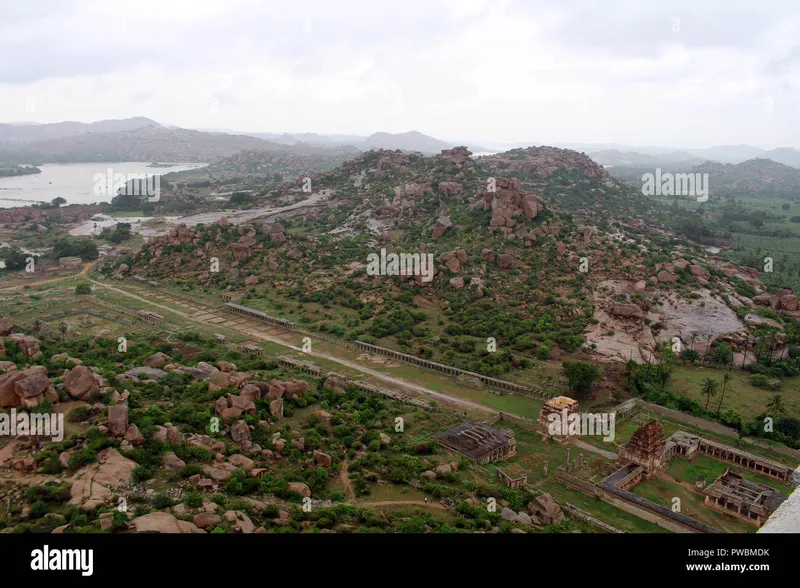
x: 746, y: 343
x: 631, y: 367
x: 62, y: 327
x: 726, y: 377
x: 776, y: 405
x: 708, y: 345
x: 37, y: 325
x: 709, y: 389
x: 771, y: 348
x: 695, y: 334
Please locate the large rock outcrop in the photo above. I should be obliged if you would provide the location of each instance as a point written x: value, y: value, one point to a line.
x: 80, y: 382
x: 163, y: 522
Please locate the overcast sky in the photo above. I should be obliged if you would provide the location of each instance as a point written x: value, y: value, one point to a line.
x: 679, y: 73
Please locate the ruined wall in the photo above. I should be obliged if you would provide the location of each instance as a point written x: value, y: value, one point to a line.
x: 582, y: 486
x: 521, y: 422
x: 644, y: 513
x: 585, y: 516
x: 651, y: 512
x: 689, y: 419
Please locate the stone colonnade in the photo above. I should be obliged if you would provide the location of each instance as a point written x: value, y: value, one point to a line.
x: 304, y: 366
x: 745, y: 460
x: 258, y: 315
x: 446, y: 369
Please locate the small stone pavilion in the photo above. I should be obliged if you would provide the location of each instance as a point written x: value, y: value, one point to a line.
x: 561, y: 407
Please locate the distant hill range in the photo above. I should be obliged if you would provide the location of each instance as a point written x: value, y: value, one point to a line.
x: 755, y: 176
x: 622, y: 156
x: 616, y: 158
x: 759, y: 176
x: 143, y: 139
x: 132, y: 139
x: 410, y: 141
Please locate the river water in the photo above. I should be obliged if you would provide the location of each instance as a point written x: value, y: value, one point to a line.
x: 74, y: 182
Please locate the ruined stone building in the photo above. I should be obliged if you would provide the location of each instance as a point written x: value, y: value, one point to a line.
x: 151, y: 317
x: 69, y: 262
x: 560, y: 408
x: 745, y: 500
x: 512, y: 476
x: 479, y: 442
x: 683, y: 444
x: 687, y: 445
x: 646, y: 449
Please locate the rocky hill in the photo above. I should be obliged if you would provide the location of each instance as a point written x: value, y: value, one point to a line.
x: 512, y: 260
x: 574, y: 182
x: 290, y: 163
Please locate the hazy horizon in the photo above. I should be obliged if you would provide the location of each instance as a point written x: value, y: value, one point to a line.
x: 483, y: 143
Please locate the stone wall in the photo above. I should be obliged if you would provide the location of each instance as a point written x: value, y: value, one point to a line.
x: 644, y: 509
x: 574, y: 511
x: 689, y: 419
x: 527, y: 424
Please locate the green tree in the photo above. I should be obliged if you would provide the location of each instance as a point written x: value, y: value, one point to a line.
x: 708, y: 346
x: 543, y: 353
x: 80, y: 247
x: 690, y: 355
x: 13, y: 258
x: 57, y: 202
x: 726, y: 378
x: 580, y: 376
x: 240, y: 198
x: 723, y: 353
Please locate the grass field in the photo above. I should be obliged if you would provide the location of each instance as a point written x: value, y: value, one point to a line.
x: 740, y: 395
x: 678, y: 481
x: 663, y: 492
x: 777, y: 237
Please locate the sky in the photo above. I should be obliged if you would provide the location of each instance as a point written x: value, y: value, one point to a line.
x: 677, y: 73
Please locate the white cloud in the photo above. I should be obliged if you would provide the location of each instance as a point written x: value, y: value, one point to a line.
x: 485, y: 71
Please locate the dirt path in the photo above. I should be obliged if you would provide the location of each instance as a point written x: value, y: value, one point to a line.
x: 403, y: 384
x: 431, y: 504
x: 587, y: 447
x: 83, y: 272
x: 688, y: 485
x: 139, y: 298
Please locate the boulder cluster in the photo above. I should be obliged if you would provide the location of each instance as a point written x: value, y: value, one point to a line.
x: 28, y: 388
